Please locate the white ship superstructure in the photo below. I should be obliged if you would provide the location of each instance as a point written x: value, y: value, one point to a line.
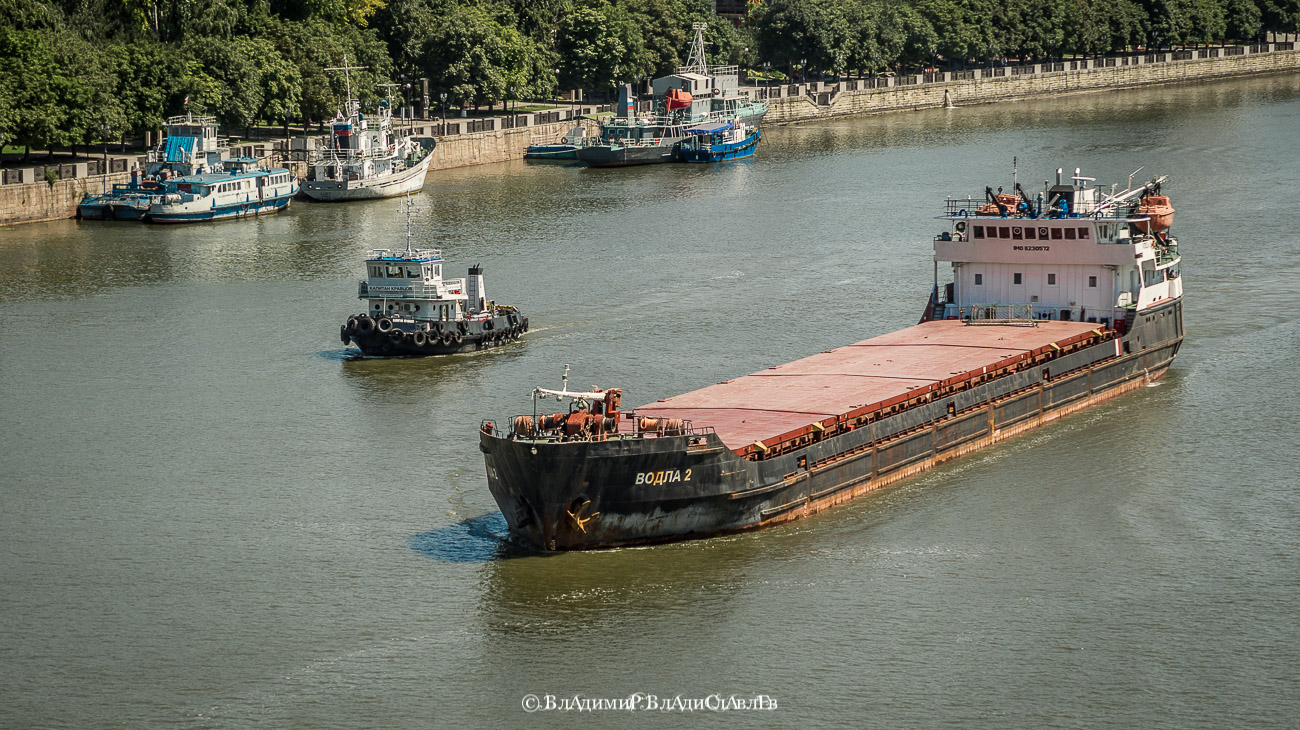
x: 1074, y: 252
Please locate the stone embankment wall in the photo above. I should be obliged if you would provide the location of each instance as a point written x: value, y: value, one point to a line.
x: 41, y: 201
x: 480, y: 148
x: 791, y: 104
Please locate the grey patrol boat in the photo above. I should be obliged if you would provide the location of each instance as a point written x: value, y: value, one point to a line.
x: 412, y: 310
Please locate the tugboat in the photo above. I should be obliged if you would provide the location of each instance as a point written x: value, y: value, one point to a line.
x: 412, y: 310
x: 1052, y: 308
x: 242, y: 188
x: 364, y: 159
x: 696, y: 94
x: 190, y: 147
x: 719, y: 141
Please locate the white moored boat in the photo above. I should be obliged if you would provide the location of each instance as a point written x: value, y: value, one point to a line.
x: 364, y: 158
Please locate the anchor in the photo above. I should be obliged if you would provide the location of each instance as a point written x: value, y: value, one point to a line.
x: 579, y: 520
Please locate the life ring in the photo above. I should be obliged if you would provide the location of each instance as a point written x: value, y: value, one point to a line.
x: 961, y: 226
x: 365, y: 324
x: 419, y: 338
x: 564, y: 140
x: 963, y: 213
x: 384, y: 325
x: 343, y: 334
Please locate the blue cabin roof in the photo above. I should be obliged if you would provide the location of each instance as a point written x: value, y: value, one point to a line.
x: 709, y: 128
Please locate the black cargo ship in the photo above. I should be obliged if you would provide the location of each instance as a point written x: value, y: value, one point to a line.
x: 1056, y: 304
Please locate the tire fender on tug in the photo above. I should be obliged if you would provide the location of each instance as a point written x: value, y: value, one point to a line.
x: 343, y: 334
x: 365, y: 324
x: 384, y: 325
x: 419, y: 338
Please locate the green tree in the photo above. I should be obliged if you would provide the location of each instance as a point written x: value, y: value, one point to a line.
x: 475, y: 58
x: 597, y: 46
x: 814, y: 31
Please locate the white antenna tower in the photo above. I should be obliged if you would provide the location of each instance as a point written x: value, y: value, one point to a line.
x: 697, y: 62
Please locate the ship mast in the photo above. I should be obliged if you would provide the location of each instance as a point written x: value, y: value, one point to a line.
x: 351, y: 105
x: 408, y: 206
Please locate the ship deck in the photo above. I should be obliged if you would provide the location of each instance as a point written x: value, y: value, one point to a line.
x: 788, y: 397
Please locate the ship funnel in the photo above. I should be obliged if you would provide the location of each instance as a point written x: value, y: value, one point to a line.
x: 626, y: 102
x: 1058, y: 176
x: 474, y: 290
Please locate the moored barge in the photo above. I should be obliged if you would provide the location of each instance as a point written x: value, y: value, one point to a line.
x: 1055, y: 304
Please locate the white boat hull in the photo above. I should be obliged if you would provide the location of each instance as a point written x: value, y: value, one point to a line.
x: 410, y: 180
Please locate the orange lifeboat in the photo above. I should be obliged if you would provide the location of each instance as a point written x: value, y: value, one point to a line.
x: 1159, y: 212
x: 676, y: 99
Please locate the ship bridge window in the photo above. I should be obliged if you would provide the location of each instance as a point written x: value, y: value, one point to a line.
x: 1030, y: 233
x: 413, y: 272
x: 376, y: 272
x: 395, y: 272
x: 1056, y: 234
x: 1069, y: 234
x: 979, y: 232
x: 1004, y: 232
x: 1083, y: 234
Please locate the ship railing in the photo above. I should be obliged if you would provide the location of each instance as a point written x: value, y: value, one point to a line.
x: 1012, y: 314
x: 331, y: 156
x: 190, y: 120
x: 967, y: 208
x: 419, y: 253
x: 628, y: 427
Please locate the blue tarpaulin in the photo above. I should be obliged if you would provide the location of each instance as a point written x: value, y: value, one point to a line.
x: 709, y: 128
x: 179, y: 149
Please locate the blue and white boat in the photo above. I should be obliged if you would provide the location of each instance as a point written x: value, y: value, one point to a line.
x: 719, y: 141
x: 191, y: 147
x: 241, y: 188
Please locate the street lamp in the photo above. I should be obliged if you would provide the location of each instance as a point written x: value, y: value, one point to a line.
x: 443, y: 97
x: 803, y: 70
x: 103, y: 138
x: 513, y: 92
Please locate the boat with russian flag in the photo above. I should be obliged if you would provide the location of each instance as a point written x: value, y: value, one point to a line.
x: 364, y: 157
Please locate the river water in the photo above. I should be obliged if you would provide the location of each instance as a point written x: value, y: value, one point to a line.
x: 213, y: 515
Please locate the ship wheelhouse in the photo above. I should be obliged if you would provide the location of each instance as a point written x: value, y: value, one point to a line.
x: 1073, y: 252
x: 408, y: 286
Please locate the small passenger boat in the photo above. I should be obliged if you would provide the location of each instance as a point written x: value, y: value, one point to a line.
x: 719, y: 141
